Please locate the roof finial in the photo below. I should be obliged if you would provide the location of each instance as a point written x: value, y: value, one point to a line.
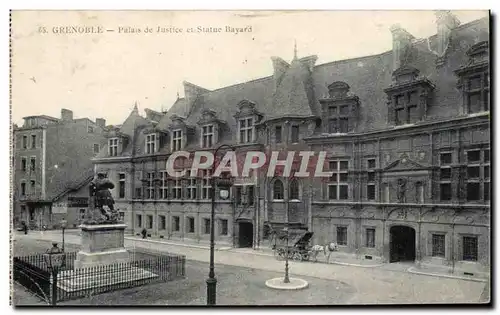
x: 295, y: 49
x: 135, y: 108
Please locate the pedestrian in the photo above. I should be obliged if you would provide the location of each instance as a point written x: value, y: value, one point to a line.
x: 144, y: 233
x: 25, y: 227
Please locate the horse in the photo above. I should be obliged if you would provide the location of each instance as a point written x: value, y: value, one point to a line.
x: 316, y: 249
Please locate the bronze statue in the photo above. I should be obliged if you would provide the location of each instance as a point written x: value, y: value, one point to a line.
x: 99, y: 192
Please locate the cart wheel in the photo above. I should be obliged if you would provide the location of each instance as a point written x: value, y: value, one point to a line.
x: 297, y: 257
x: 305, y: 257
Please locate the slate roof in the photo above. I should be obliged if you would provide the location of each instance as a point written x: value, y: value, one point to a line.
x: 299, y: 90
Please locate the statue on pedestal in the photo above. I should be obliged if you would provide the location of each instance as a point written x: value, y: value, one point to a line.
x: 100, y: 197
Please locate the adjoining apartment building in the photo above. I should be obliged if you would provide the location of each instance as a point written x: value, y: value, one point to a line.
x: 407, y: 133
x: 52, y: 168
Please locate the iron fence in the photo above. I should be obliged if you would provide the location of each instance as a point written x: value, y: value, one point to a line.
x: 144, y: 268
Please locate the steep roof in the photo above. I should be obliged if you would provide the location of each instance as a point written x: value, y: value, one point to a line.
x: 290, y: 98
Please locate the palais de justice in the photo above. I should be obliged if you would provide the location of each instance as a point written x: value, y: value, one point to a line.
x: 408, y: 140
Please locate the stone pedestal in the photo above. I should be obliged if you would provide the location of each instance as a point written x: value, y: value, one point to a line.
x: 102, y: 244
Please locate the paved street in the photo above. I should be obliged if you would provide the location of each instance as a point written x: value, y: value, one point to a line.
x: 356, y: 285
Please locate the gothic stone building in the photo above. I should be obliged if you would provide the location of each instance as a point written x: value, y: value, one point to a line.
x: 407, y: 138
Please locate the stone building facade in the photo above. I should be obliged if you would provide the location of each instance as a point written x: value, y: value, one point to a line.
x: 407, y: 138
x: 51, y: 160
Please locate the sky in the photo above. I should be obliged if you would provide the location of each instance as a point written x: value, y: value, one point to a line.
x: 105, y: 74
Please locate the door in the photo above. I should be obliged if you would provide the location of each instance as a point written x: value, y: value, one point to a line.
x: 245, y: 234
x: 402, y: 243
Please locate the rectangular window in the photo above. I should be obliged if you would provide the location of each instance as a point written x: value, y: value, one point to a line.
x: 206, y: 187
x: 163, y: 185
x: 438, y: 245
x: 342, y: 235
x: 207, y: 135
x: 473, y: 156
x: 486, y: 192
x: 239, y: 195
x: 469, y: 248
x: 82, y: 214
x: 344, y: 110
x: 370, y: 238
x: 223, y: 227
x: 343, y: 125
x: 206, y: 226
x: 445, y: 176
x: 474, y: 100
x: 250, y: 195
x: 400, y: 116
x: 90, y: 129
x: 278, y: 134
x: 121, y: 185
x: 445, y: 191
x: 32, y: 164
x: 138, y: 193
x: 295, y: 134
x: 33, y: 141
x: 445, y: 158
x: 338, y: 187
x: 150, y: 222
x: 473, y: 191
x: 23, y: 164
x: 370, y: 187
x: 190, y: 225
x: 113, y: 146
x: 332, y: 111
x: 25, y: 142
x: 191, y: 188
x: 176, y: 223
x: 176, y: 188
x: 150, y: 185
x: 150, y: 143
x: 96, y: 148
x: 246, y: 130
x: 176, y: 140
x: 333, y: 125
x: 139, y: 220
x: 162, y: 224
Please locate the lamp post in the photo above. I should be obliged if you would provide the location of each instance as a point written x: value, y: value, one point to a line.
x: 287, y: 279
x: 212, y: 281
x: 63, y: 227
x: 54, y: 257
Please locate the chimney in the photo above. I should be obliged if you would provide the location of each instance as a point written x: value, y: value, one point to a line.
x: 401, y: 45
x: 445, y: 22
x: 309, y: 62
x: 101, y: 122
x: 191, y: 93
x: 279, y: 66
x: 66, y: 115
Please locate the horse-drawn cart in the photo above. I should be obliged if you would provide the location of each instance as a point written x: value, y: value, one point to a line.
x: 298, y: 249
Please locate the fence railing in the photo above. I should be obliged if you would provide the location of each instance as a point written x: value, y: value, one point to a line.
x: 33, y: 273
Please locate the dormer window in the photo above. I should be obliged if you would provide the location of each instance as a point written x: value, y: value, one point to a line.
x: 247, y: 117
x: 408, y: 96
x: 176, y: 140
x: 474, y: 80
x: 246, y: 130
x: 207, y: 136
x: 151, y: 143
x: 113, y: 147
x: 340, y: 109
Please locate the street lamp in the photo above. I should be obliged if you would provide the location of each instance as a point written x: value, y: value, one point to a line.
x: 287, y: 279
x: 63, y: 227
x: 54, y: 258
x: 224, y: 194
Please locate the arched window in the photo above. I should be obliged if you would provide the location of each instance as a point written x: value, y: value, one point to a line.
x: 294, y: 190
x: 278, y: 190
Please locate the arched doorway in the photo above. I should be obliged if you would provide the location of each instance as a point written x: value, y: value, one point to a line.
x: 402, y: 243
